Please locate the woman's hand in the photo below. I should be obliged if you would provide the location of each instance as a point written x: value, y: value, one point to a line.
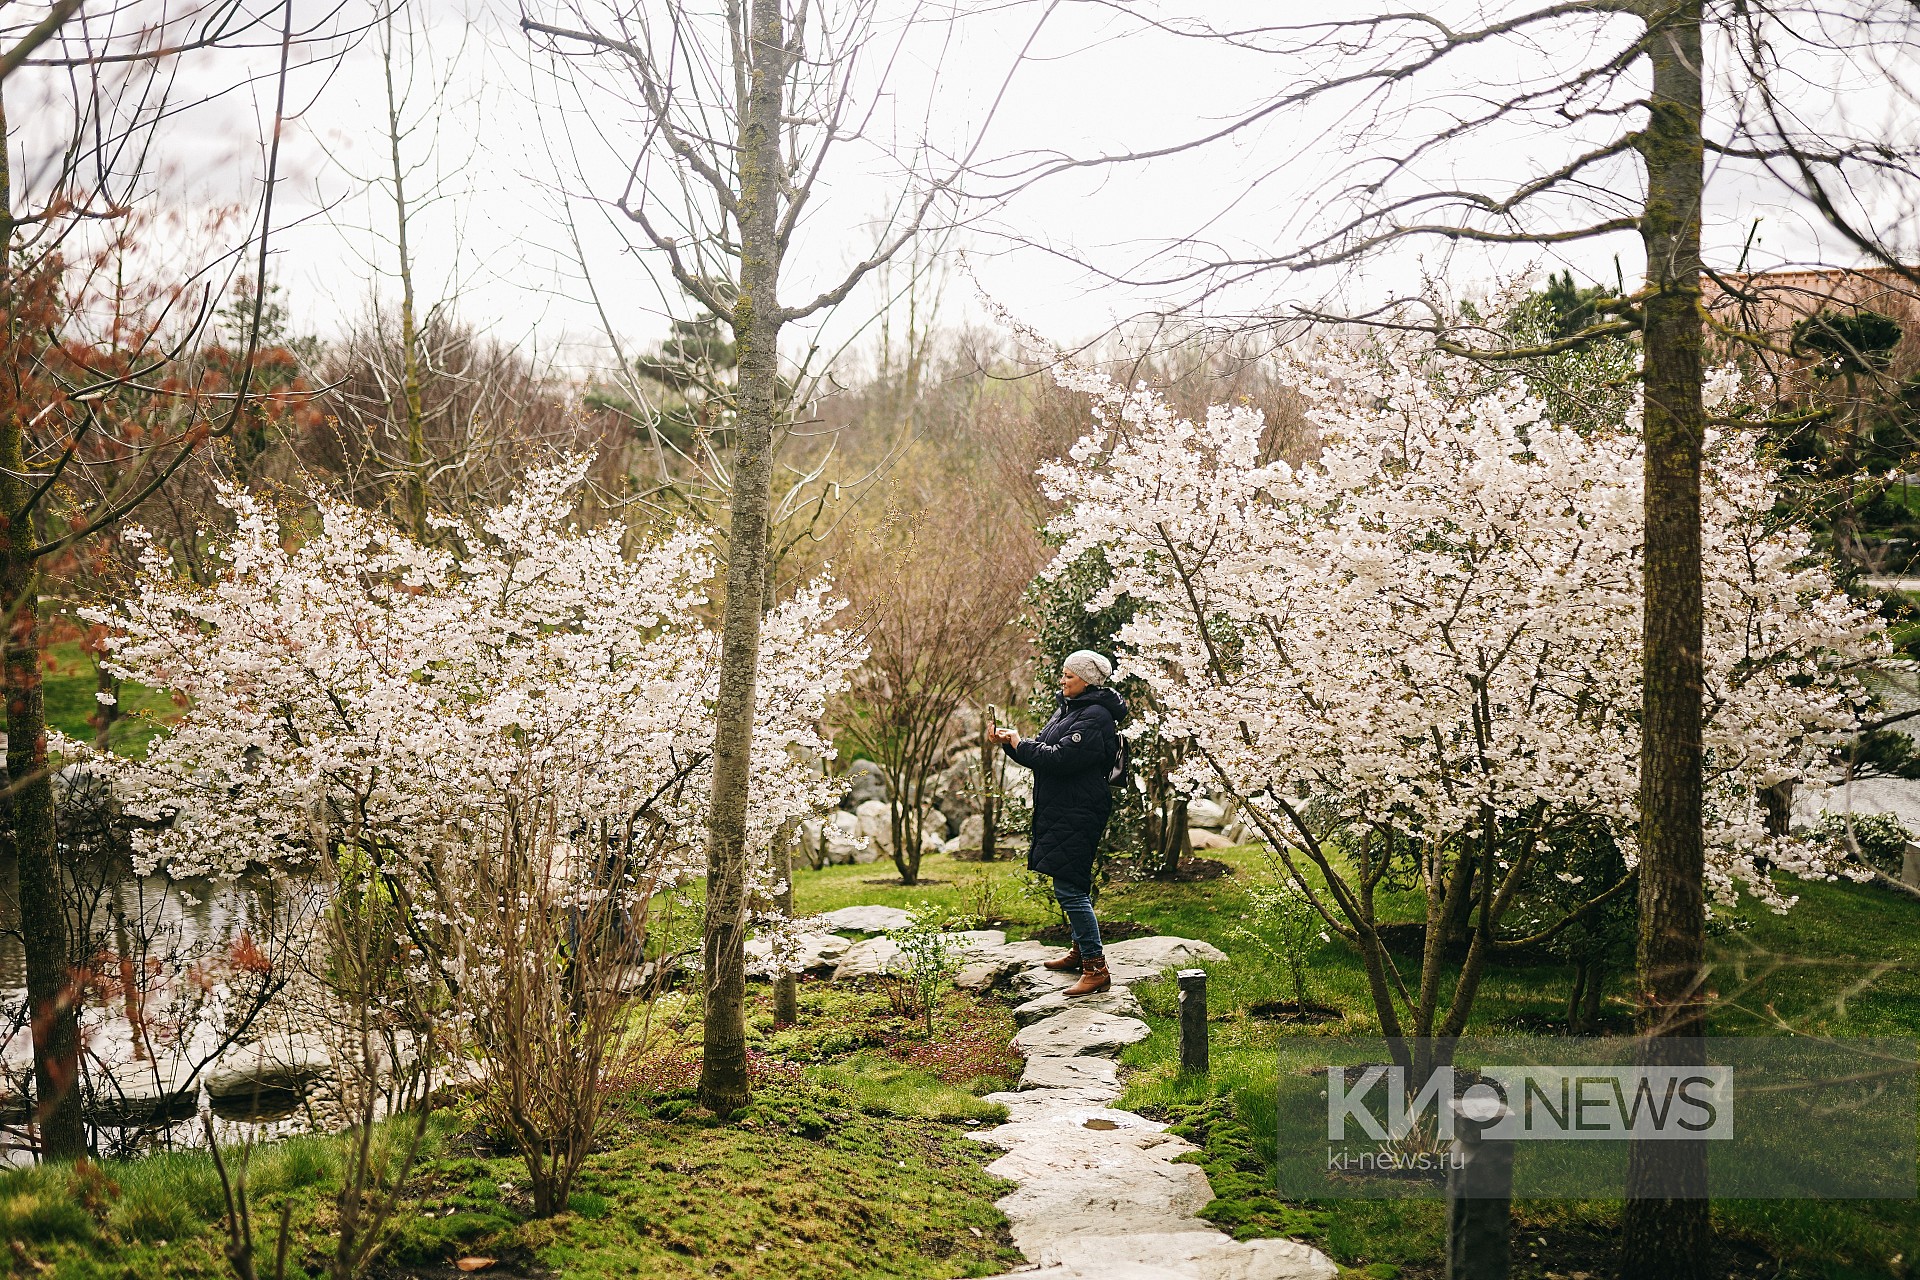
x: 1006, y: 737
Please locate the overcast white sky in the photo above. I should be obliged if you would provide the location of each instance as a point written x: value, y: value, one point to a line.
x: 520, y: 161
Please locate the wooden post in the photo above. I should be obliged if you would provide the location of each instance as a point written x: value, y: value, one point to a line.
x: 1910, y: 867
x: 1479, y: 1195
x: 1193, y: 1021
x: 786, y: 986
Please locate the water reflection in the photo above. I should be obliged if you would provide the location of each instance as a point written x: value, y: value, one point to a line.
x: 173, y: 974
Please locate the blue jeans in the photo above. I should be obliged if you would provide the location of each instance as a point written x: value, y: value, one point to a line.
x: 1078, y: 904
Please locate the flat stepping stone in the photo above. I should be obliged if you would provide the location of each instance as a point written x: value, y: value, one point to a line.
x: 1116, y: 999
x: 1099, y: 1193
x: 867, y: 919
x: 1163, y: 952
x: 1070, y: 1073
x: 1032, y: 983
x: 867, y: 959
x: 1201, y: 1255
x: 1076, y: 1105
x: 989, y: 967
x: 871, y: 957
x: 1101, y: 1197
x: 1079, y: 1033
x: 977, y: 939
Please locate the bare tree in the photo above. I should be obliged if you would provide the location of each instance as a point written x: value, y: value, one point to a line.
x: 487, y: 412
x: 1651, y: 105
x: 76, y: 375
x: 939, y: 592
x: 414, y: 102
x: 742, y: 112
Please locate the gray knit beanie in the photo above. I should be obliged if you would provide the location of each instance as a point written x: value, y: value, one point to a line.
x: 1089, y: 666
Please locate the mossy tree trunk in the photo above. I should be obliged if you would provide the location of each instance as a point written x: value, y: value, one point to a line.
x: 1666, y: 1231
x: 757, y: 319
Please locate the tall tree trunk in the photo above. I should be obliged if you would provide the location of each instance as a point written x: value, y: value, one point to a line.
x: 724, y: 1087
x: 51, y: 998
x: 1667, y: 1231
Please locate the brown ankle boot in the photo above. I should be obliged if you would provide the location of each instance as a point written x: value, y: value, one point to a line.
x: 1094, y: 979
x: 1068, y: 963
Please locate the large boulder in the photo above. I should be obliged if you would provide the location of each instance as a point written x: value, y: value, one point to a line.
x: 812, y: 953
x: 875, y: 819
x: 140, y: 1094
x: 871, y: 918
x: 841, y: 840
x: 866, y: 781
x: 965, y: 725
x: 956, y: 788
x: 1202, y: 838
x: 989, y: 967
x: 1202, y: 812
x: 973, y: 830
x: 1241, y: 830
x: 810, y: 843
x: 277, y: 1065
x: 867, y: 959
x: 1163, y: 952
x: 1079, y: 1033
x: 876, y: 824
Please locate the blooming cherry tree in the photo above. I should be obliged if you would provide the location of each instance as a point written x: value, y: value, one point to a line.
x: 357, y: 691
x: 1417, y: 658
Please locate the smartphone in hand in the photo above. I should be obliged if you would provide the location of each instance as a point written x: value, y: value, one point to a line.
x: 993, y: 715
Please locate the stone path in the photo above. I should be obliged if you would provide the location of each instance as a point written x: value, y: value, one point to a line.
x: 1099, y: 1196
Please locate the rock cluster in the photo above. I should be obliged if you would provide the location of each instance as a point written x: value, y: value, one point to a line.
x: 862, y: 828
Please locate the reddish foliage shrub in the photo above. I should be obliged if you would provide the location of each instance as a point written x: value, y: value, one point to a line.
x: 972, y: 1043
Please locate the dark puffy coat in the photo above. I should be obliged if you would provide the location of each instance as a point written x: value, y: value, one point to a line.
x: 1070, y: 759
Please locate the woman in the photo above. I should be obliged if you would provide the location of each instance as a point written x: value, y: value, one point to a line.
x: 1071, y: 759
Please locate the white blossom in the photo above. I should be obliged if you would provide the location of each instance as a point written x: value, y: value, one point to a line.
x: 357, y: 687
x: 1438, y: 619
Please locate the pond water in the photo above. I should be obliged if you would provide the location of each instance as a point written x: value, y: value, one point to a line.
x: 177, y: 971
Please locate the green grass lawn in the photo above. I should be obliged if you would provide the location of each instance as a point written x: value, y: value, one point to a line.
x: 1844, y: 961
x: 70, y: 686
x: 805, y: 1184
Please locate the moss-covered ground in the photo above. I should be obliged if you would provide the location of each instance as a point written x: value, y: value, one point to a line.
x: 852, y: 1161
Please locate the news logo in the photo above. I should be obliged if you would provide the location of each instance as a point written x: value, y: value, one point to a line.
x: 1534, y: 1102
